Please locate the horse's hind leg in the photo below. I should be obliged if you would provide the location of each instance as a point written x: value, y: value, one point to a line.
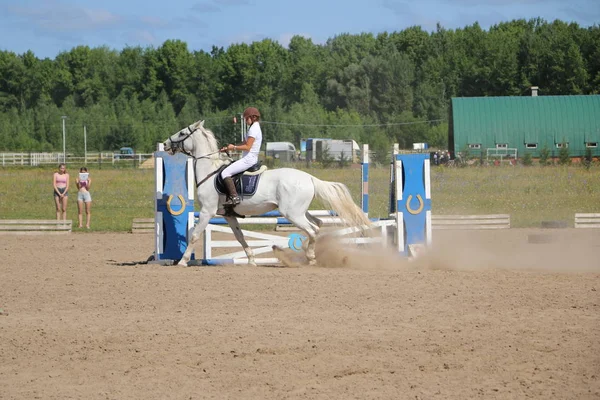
x: 303, y: 222
x: 314, y: 220
x: 237, y: 231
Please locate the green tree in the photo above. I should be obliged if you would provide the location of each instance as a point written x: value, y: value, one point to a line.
x: 129, y: 72
x: 563, y: 154
x: 551, y: 59
x: 12, y: 81
x: 344, y: 160
x: 175, y: 65
x: 252, y: 74
x: 152, y: 85
x: 373, y: 89
x: 544, y: 155
x: 377, y: 86
x: 305, y: 68
x: 204, y: 81
x: 587, y: 158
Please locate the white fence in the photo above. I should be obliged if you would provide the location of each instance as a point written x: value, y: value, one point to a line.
x: 587, y: 220
x: 501, y: 154
x: 35, y: 159
x: 453, y: 222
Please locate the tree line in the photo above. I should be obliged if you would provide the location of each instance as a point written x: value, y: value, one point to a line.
x: 376, y: 89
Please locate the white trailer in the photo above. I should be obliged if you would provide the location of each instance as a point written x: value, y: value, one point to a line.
x: 285, y: 151
x: 335, y: 149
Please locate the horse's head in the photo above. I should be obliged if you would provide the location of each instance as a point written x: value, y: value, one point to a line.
x: 183, y: 140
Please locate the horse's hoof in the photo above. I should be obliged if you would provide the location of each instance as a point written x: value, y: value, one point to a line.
x: 252, y: 263
x: 312, y: 263
x: 182, y: 264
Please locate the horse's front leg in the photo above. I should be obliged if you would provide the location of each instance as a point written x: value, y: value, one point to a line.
x: 239, y: 235
x: 203, y: 220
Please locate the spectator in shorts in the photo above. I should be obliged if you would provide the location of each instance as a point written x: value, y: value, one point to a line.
x: 84, y: 197
x: 60, y: 182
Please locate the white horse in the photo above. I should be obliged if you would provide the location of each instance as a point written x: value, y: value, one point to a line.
x: 289, y: 190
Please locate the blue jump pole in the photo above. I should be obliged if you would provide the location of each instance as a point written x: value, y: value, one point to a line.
x: 365, y: 179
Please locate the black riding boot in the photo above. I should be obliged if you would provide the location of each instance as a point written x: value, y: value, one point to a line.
x: 233, y: 199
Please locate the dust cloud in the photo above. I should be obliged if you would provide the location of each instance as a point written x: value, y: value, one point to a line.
x: 544, y: 250
x: 331, y: 252
x: 560, y: 251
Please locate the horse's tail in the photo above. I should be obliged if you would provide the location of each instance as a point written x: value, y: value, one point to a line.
x: 337, y: 197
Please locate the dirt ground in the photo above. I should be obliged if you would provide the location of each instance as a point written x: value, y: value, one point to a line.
x: 485, y: 315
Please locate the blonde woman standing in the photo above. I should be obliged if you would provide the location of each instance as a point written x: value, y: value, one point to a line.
x: 84, y: 197
x: 60, y: 182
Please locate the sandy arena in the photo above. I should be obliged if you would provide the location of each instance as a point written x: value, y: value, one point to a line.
x: 488, y: 316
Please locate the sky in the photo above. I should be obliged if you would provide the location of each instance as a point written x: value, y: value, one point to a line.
x: 48, y: 27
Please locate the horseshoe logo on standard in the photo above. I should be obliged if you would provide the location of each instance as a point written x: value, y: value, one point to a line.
x: 181, y: 210
x: 418, y: 210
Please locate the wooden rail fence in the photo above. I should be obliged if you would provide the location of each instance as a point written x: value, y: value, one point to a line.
x: 34, y: 226
x: 587, y: 220
x: 142, y: 225
x: 453, y: 222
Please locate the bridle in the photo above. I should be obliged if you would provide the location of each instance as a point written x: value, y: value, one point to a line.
x: 177, y: 145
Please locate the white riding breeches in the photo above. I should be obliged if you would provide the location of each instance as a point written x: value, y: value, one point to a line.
x: 240, y: 165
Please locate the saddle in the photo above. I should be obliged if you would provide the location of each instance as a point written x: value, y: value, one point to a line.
x: 245, y: 182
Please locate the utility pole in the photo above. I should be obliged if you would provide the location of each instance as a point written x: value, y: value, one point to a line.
x: 85, y: 145
x: 242, y: 126
x: 64, y: 117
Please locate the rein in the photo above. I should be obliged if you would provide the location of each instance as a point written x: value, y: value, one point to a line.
x: 178, y: 144
x: 207, y: 177
x: 205, y: 156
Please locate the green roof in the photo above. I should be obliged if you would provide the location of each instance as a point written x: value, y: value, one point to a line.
x: 516, y: 121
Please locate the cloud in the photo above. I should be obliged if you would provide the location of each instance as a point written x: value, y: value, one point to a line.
x: 244, y: 37
x: 205, y: 8
x: 412, y: 17
x: 228, y: 3
x: 142, y: 36
x: 591, y: 16
x: 400, y: 5
x: 397, y: 7
x: 72, y: 25
x: 215, y: 6
x: 285, y: 38
x: 582, y: 10
x: 58, y: 17
x: 460, y: 13
x: 498, y: 2
x: 155, y: 22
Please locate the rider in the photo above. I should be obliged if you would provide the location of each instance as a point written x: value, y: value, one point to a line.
x: 250, y: 148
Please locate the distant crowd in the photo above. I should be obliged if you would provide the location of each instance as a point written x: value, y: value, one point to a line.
x: 440, y: 157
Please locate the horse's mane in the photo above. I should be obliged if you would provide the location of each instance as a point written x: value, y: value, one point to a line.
x: 212, y: 145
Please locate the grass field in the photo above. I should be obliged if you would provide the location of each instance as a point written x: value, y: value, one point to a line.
x: 529, y: 194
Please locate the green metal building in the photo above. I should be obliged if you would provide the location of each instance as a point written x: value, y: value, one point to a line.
x: 492, y: 127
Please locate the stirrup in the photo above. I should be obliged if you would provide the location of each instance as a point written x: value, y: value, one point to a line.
x: 233, y: 201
